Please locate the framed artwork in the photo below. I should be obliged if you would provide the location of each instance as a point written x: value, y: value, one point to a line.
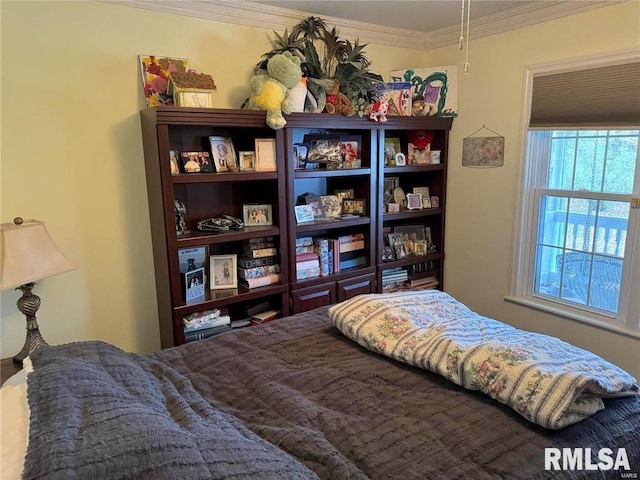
x: 266, y: 155
x: 332, y: 205
x: 304, y: 213
x: 174, y: 155
x: 414, y: 201
x: 247, y: 161
x: 256, y: 215
x: 434, y: 88
x: 224, y: 271
x: 194, y: 285
x: 155, y: 73
x: 435, y: 201
x: 391, y: 148
x: 224, y: 154
x: 412, y: 233
x: 196, y: 162
x: 483, y: 152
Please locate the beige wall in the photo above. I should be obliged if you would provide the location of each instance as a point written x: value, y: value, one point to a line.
x: 72, y: 151
x: 72, y: 155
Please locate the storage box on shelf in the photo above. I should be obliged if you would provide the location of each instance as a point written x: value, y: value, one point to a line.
x: 210, y: 195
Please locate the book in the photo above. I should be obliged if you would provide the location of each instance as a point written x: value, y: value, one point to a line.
x: 304, y: 249
x: 257, y: 240
x: 351, y: 238
x: 255, y: 272
x: 308, y: 273
x: 241, y: 322
x: 304, y: 241
x: 334, y: 245
x: 261, y: 281
x: 351, y: 246
x: 353, y: 262
x: 306, y: 256
x: 205, y: 333
x: 258, y: 307
x: 214, y: 322
x: 307, y: 264
x: 256, y: 262
x: 321, y: 246
x: 191, y: 258
x: 264, y: 317
x: 261, y: 252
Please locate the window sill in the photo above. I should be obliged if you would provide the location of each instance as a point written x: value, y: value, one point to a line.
x: 574, y: 315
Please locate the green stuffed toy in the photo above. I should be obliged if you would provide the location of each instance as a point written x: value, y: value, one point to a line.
x: 271, y: 92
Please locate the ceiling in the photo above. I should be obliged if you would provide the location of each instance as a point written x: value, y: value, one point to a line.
x: 422, y: 16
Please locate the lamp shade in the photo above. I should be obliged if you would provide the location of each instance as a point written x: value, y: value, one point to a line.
x: 28, y: 254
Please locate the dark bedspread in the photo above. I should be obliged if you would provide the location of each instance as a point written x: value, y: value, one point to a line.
x: 340, y: 410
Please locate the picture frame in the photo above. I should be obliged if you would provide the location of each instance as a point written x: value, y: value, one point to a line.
x: 391, y: 148
x: 387, y: 254
x: 414, y: 201
x: 194, y: 285
x: 393, y: 207
x: 420, y: 247
x: 304, y: 213
x: 419, y: 156
x: 255, y: 215
x: 324, y: 149
x: 174, y: 163
x: 300, y: 152
x: 410, y: 232
x: 435, y: 201
x: 350, y: 151
x: 332, y: 205
x: 400, y: 250
x: 266, y: 155
x: 426, y: 199
x: 390, y: 183
x: 224, y: 271
x: 394, y: 238
x: 359, y: 206
x: 196, y: 162
x: 315, y: 201
x: 247, y: 161
x: 345, y: 193
x: 401, y: 159
x: 224, y: 153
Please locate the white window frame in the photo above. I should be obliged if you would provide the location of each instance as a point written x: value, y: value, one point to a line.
x: 526, y: 208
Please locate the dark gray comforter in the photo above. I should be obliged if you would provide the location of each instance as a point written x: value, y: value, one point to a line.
x: 248, y: 403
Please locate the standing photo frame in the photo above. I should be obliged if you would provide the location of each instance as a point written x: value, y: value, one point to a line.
x: 414, y: 201
x: 266, y: 155
x: 224, y: 154
x: 247, y: 161
x: 257, y: 215
x: 224, y: 271
x: 304, y: 213
x: 194, y: 285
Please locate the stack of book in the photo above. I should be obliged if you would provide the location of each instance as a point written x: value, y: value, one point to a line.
x: 351, y: 251
x: 393, y: 279
x: 201, y: 325
x: 307, y: 259
x: 424, y: 283
x: 261, y: 312
x: 259, y: 265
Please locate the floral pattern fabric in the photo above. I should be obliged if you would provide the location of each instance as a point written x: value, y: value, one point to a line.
x: 546, y: 380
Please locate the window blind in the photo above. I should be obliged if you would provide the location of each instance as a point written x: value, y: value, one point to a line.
x: 598, y: 97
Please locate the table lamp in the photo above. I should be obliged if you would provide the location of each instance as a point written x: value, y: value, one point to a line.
x: 28, y: 254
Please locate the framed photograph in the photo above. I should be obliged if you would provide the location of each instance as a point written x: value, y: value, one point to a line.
x: 435, y: 201
x: 196, y: 162
x: 387, y: 254
x: 346, y: 193
x: 349, y: 207
x: 401, y: 159
x: 300, y: 151
x: 304, y: 213
x: 174, y: 155
x: 408, y: 247
x: 410, y: 232
x: 419, y: 156
x: 247, y: 161
x: 256, y: 215
x: 414, y: 201
x: 266, y: 155
x: 425, y: 196
x: 420, y: 247
x: 391, y: 149
x: 224, y: 271
x: 400, y: 250
x: 394, y: 207
x: 224, y: 154
x: 324, y: 149
x: 359, y: 206
x: 315, y: 201
x: 332, y: 205
x: 194, y: 285
x: 390, y: 183
x: 394, y: 238
x: 350, y: 151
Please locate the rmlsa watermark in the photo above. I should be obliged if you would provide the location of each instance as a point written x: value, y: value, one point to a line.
x: 580, y: 459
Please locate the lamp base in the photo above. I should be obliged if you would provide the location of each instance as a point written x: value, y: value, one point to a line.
x: 28, y: 304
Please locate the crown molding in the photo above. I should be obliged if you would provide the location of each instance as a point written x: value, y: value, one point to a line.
x: 259, y: 15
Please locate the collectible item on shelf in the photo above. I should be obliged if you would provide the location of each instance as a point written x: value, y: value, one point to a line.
x: 155, y: 73
x: 256, y: 215
x: 220, y: 224
x: 181, y: 212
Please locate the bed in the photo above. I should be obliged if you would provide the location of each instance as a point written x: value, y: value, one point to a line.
x: 295, y: 398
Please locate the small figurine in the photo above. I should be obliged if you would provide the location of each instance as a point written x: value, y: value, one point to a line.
x: 379, y: 111
x: 181, y: 211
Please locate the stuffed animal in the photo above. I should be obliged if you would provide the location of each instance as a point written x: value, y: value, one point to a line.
x: 271, y: 92
x: 338, y: 103
x: 379, y: 111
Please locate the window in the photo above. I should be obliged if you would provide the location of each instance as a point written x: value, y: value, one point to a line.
x: 577, y: 230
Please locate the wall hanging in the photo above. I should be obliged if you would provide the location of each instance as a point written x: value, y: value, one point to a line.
x: 483, y: 151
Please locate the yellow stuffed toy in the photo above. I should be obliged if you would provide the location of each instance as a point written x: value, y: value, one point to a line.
x: 272, y: 92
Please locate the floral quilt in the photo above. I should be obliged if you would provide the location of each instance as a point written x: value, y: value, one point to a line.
x: 546, y: 380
